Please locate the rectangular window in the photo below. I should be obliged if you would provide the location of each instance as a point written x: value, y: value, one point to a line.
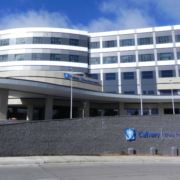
x: 128, y: 92
x: 55, y: 40
x: 74, y: 42
x: 128, y: 75
x: 37, y: 40
x: 127, y: 42
x: 145, y: 41
x: 3, y: 58
x: 4, y: 42
x: 73, y: 58
x: 146, y: 57
x: 131, y: 112
x: 36, y: 56
x: 110, y: 76
x: 163, y: 39
x: 93, y: 76
x: 19, y: 57
x: 178, y: 38
x: 167, y: 73
x: 94, y: 60
x: 108, y: 44
x: 151, y: 92
x: 144, y: 92
x: 94, y: 45
x: 20, y: 41
x: 165, y: 56
x: 147, y: 75
x: 168, y: 92
x: 126, y: 59
x: 109, y: 60
x: 55, y: 57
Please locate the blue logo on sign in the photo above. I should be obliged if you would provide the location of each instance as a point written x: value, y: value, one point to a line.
x: 130, y: 134
x: 66, y: 75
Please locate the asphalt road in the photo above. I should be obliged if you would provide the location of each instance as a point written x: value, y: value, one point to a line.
x: 92, y: 171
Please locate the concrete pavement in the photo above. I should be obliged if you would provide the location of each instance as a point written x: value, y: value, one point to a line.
x: 80, y: 159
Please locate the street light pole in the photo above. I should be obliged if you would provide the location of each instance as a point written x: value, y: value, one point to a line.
x: 71, y: 105
x: 140, y: 91
x: 172, y: 97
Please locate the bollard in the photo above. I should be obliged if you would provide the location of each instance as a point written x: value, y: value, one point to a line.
x: 130, y: 151
x: 174, y: 151
x: 153, y: 151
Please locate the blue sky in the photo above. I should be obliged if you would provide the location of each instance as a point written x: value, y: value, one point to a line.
x: 90, y: 15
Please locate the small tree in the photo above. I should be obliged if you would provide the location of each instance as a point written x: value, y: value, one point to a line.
x: 83, y: 109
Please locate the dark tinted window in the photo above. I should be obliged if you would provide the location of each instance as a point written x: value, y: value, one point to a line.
x: 147, y: 75
x: 128, y: 75
x: 110, y: 76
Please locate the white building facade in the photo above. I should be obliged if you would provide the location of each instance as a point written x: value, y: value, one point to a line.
x: 127, y: 62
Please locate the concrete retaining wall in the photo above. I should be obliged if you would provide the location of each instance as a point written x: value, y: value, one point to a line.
x: 100, y: 135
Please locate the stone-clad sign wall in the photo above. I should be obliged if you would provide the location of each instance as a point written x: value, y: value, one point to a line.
x: 100, y: 135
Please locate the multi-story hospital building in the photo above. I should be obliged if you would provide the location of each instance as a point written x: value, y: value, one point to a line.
x: 111, y: 72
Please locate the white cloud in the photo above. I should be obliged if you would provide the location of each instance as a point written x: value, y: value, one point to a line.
x: 116, y: 15
x: 34, y: 19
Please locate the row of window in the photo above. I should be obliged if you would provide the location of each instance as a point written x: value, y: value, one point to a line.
x: 132, y: 58
x: 39, y: 56
x: 131, y: 42
x: 132, y: 75
x: 42, y: 40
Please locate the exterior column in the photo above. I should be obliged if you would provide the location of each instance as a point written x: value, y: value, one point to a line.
x: 160, y: 109
x: 121, y: 109
x: 86, y: 109
x: 49, y: 107
x: 4, y: 93
x: 29, y: 112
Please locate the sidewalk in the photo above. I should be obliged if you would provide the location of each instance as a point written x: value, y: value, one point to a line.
x: 80, y: 159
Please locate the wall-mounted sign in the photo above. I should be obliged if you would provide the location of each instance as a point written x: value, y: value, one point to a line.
x: 130, y: 134
x: 82, y: 79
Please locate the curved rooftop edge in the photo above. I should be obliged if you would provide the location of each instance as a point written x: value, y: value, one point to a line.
x: 62, y: 91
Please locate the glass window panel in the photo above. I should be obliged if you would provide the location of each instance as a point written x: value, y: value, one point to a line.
x: 109, y: 44
x: 147, y: 75
x: 3, y: 58
x: 144, y: 41
x: 109, y: 60
x: 74, y: 42
x: 165, y: 56
x: 94, y: 45
x: 163, y: 39
x: 127, y: 42
x: 19, y: 57
x: 36, y: 56
x: 167, y: 73
x: 178, y: 38
x: 4, y: 42
x: 94, y: 60
x: 128, y: 92
x: 74, y: 58
x: 151, y: 92
x: 131, y: 112
x: 55, y: 57
x: 110, y: 76
x: 168, y: 92
x: 128, y: 58
x: 37, y: 40
x: 144, y: 92
x: 93, y: 76
x: 146, y: 57
x: 128, y: 75
x: 55, y: 40
x: 20, y: 41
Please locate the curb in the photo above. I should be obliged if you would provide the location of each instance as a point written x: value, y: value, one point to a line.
x: 42, y: 160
